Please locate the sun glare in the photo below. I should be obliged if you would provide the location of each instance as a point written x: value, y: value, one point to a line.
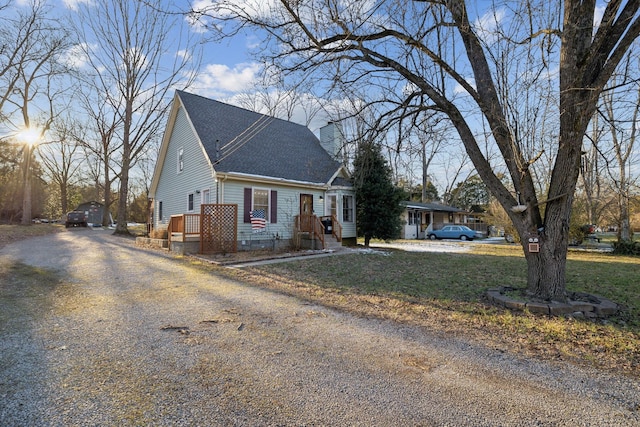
x: 30, y: 136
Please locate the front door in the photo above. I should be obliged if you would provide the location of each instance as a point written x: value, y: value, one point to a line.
x: 306, y: 204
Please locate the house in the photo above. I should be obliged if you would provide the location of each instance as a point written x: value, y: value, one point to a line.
x: 234, y: 179
x: 420, y: 218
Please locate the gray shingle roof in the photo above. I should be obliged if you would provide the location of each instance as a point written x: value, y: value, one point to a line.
x: 256, y: 144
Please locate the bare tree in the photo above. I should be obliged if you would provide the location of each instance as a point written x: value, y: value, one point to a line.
x: 10, y: 180
x: 30, y: 63
x: 102, y: 147
x: 592, y: 184
x: 507, y: 45
x: 620, y: 109
x: 61, y: 160
x: 431, y: 139
x: 127, y: 47
x: 272, y: 97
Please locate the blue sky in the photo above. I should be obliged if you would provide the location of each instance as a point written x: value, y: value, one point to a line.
x: 227, y: 67
x: 228, y: 70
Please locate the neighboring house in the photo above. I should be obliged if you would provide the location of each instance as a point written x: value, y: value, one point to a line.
x: 420, y: 218
x: 94, y: 211
x: 274, y: 172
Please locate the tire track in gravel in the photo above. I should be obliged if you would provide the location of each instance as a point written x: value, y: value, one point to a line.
x: 134, y: 337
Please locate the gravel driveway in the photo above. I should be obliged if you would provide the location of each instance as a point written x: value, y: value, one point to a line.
x: 135, y: 337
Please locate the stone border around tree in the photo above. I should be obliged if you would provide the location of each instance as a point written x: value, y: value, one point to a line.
x: 578, y: 305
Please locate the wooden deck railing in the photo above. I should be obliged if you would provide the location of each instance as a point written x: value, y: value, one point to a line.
x: 181, y: 226
x: 336, y: 227
x: 310, y: 224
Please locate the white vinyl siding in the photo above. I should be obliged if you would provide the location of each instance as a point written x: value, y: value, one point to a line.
x: 288, y: 206
x: 348, y: 227
x: 173, y: 189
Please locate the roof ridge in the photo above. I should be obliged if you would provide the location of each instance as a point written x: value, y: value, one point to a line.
x: 242, y: 108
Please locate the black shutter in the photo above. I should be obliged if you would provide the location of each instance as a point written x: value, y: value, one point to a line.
x: 274, y: 207
x: 247, y: 205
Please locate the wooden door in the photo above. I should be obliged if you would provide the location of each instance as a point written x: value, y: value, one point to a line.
x: 306, y: 204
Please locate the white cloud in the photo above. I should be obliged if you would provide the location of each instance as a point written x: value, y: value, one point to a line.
x: 486, y: 25
x: 219, y: 80
x: 74, y: 4
x: 76, y: 56
x: 201, y: 19
x: 198, y: 23
x: 184, y: 54
x: 253, y: 42
x: 459, y: 89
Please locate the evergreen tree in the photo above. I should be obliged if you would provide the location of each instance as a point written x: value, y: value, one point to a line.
x: 431, y: 193
x: 378, y: 207
x: 471, y: 195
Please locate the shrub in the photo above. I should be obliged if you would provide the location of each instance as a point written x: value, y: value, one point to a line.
x: 626, y: 248
x: 159, y: 234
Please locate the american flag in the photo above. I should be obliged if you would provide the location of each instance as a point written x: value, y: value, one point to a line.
x: 258, y: 220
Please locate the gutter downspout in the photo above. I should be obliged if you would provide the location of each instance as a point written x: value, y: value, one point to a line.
x: 220, y: 188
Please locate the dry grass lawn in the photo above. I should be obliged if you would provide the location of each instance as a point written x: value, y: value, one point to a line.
x: 445, y: 292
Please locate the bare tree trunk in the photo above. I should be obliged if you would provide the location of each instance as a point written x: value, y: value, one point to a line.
x: 64, y: 199
x: 425, y: 174
x: 106, y: 213
x: 31, y: 46
x: 545, y: 273
x: 546, y: 269
x: 121, y: 226
x: 123, y: 193
x: 624, y: 227
x: 26, y: 179
x: 622, y: 125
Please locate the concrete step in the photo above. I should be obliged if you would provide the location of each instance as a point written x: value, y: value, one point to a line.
x: 330, y: 242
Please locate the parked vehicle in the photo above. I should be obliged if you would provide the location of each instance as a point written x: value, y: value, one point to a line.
x: 461, y: 232
x: 587, y: 232
x: 76, y: 219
